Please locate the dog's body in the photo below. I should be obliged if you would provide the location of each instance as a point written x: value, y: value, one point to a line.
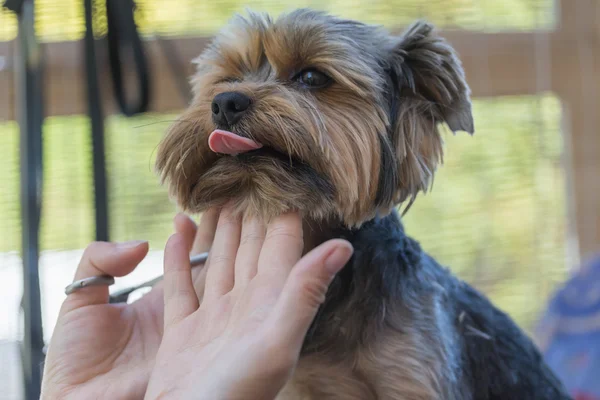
x: 396, y: 325
x: 339, y: 121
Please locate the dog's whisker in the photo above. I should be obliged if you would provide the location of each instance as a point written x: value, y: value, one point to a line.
x: 477, y: 332
x: 182, y: 160
x: 151, y: 155
x: 166, y: 121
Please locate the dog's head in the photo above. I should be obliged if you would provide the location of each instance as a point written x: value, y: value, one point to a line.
x: 331, y: 117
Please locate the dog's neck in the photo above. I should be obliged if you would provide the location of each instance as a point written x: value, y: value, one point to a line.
x: 381, y: 271
x: 317, y: 232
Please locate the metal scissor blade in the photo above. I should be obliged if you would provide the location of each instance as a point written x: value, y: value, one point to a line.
x: 121, y: 296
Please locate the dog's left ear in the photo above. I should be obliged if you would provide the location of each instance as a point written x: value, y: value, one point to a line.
x: 428, y: 69
x: 426, y: 87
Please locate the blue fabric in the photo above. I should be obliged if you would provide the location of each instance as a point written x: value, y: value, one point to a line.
x: 570, y: 333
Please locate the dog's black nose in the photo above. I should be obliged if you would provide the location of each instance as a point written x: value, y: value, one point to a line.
x: 229, y: 107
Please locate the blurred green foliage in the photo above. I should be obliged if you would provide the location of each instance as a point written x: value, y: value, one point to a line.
x: 63, y: 19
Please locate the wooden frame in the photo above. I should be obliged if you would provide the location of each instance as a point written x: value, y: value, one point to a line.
x: 511, y: 61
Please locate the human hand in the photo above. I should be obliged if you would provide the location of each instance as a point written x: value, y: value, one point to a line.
x: 244, y: 339
x: 101, y: 350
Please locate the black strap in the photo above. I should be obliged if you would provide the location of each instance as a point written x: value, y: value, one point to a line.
x: 30, y: 67
x: 96, y: 115
x: 13, y: 5
x: 123, y: 36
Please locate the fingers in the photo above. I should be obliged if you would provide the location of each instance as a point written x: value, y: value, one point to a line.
x: 246, y: 261
x: 184, y: 225
x: 200, y: 237
x: 282, y: 247
x: 202, y: 243
x: 179, y: 295
x: 305, y: 290
x: 206, y: 231
x: 200, y: 240
x: 221, y: 261
x: 104, y: 258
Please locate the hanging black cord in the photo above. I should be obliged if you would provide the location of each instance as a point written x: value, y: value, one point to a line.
x: 123, y: 36
x: 97, y: 127
x: 30, y: 66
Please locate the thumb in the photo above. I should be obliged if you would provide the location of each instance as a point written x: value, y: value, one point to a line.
x: 104, y: 258
x: 305, y: 289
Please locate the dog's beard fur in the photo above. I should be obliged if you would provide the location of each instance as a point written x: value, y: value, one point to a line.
x: 348, y: 151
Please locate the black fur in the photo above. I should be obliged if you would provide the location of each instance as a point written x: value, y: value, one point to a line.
x: 390, y: 274
x: 388, y: 172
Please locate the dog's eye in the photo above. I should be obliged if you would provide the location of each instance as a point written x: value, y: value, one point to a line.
x: 313, y: 79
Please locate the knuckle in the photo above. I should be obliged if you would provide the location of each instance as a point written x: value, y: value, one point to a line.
x: 92, y: 255
x: 221, y: 259
x: 312, y: 291
x: 251, y: 238
x: 283, y: 231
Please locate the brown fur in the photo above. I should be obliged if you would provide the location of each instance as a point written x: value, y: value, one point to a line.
x: 343, y: 153
x: 390, y: 368
x: 339, y: 132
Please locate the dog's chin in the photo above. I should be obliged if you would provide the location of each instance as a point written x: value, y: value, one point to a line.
x: 263, y: 183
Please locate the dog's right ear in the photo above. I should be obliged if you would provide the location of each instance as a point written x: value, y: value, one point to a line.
x: 426, y: 87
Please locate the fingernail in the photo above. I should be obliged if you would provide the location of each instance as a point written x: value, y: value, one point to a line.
x: 338, y: 258
x: 130, y: 245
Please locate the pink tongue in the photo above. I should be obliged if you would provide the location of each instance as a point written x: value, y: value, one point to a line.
x: 226, y: 142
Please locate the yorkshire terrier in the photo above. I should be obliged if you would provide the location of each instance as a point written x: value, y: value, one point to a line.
x: 340, y: 121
